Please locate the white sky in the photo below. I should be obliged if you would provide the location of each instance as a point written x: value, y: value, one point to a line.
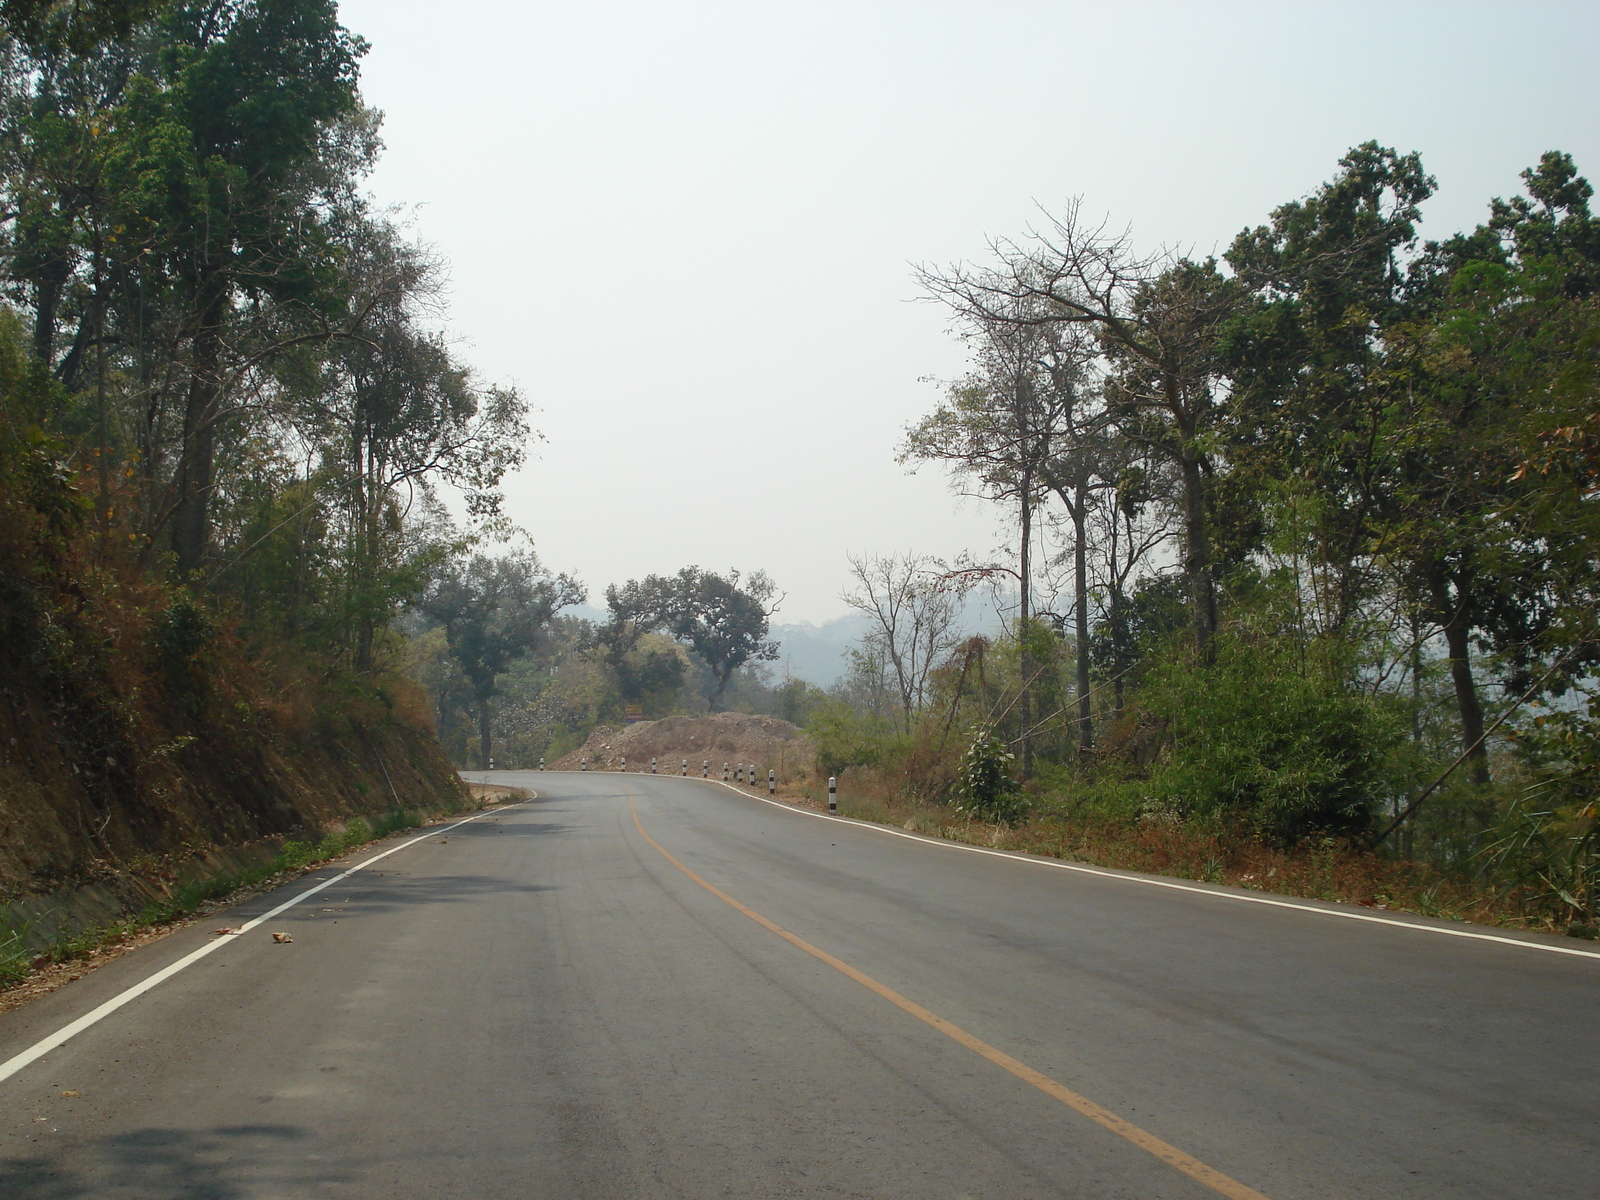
x: 684, y: 229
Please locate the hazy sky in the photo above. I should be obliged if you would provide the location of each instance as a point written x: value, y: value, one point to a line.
x: 684, y: 230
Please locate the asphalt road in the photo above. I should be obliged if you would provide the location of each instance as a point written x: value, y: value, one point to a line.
x: 540, y: 1003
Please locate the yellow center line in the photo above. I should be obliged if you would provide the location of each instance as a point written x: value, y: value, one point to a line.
x: 1215, y: 1180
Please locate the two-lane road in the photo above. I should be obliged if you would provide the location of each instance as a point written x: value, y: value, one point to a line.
x: 642, y: 986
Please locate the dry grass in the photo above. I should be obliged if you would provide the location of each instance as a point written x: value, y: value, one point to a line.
x: 1323, y: 869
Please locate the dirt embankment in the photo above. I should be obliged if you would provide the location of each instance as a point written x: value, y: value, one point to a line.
x: 86, y: 838
x: 731, y: 738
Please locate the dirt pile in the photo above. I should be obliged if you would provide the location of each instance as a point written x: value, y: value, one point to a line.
x: 731, y: 738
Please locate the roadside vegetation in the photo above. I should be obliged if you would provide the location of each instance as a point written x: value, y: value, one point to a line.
x: 1302, y: 583
x: 232, y: 425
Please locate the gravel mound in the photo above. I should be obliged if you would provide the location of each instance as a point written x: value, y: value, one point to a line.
x: 731, y: 738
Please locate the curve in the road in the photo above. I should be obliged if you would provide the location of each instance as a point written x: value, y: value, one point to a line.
x: 1147, y: 881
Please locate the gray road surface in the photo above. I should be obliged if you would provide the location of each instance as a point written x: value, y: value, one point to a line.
x: 539, y: 1004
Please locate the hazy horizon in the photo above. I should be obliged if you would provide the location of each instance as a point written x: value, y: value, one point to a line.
x: 685, y: 230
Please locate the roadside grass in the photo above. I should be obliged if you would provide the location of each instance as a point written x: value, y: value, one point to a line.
x: 1316, y: 869
x: 18, y: 960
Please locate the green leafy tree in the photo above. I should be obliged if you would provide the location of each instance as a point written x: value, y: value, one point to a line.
x: 220, y: 189
x: 1313, y: 399
x: 494, y: 611
x: 723, y: 623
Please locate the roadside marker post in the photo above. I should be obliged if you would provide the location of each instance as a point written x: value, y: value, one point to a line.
x: 541, y: 762
x: 685, y: 766
x: 652, y: 764
x: 705, y: 768
x: 738, y: 774
x: 772, y: 782
x: 584, y: 765
x: 624, y: 764
x: 833, y: 795
x: 724, y: 772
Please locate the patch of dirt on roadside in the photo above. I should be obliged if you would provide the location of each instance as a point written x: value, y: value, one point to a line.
x: 715, y: 739
x: 486, y: 794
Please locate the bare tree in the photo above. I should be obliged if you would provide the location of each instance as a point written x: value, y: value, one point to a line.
x: 1156, y: 319
x: 1127, y: 533
x: 996, y: 428
x: 914, y: 620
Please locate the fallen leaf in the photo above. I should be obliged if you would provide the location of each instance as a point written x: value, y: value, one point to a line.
x: 282, y: 937
x: 72, y: 1092
x: 225, y: 929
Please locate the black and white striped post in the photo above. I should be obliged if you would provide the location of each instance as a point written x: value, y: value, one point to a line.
x: 685, y: 770
x: 772, y: 782
x: 833, y: 794
x: 584, y: 765
x: 738, y: 773
x: 705, y: 768
x: 541, y: 762
x: 724, y: 772
x: 652, y: 764
x: 624, y: 764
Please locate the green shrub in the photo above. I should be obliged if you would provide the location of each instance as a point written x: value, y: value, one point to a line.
x: 985, y: 787
x: 846, y: 737
x: 1270, y: 737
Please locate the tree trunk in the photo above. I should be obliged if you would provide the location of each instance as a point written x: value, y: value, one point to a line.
x: 483, y: 733
x: 1457, y: 635
x: 1080, y: 616
x: 1452, y: 611
x: 46, y: 301
x: 191, y: 520
x: 1197, y: 558
x: 1024, y: 663
x: 363, y: 567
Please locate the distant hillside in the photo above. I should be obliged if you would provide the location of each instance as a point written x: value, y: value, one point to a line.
x: 816, y: 653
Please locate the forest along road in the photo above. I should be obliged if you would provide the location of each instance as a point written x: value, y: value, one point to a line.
x: 552, y: 1001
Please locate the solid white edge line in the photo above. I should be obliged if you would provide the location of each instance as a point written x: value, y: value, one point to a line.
x: 1160, y: 883
x: 93, y: 1017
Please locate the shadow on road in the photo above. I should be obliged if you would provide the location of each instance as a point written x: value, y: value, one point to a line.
x: 173, y: 1164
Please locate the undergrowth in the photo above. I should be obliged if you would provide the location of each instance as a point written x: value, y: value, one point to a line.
x: 1317, y: 868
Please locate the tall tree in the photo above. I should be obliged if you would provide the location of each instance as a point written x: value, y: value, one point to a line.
x: 1158, y: 323
x: 1307, y: 355
x: 1506, y: 341
x: 227, y: 124
x: 998, y: 427
x: 494, y: 611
